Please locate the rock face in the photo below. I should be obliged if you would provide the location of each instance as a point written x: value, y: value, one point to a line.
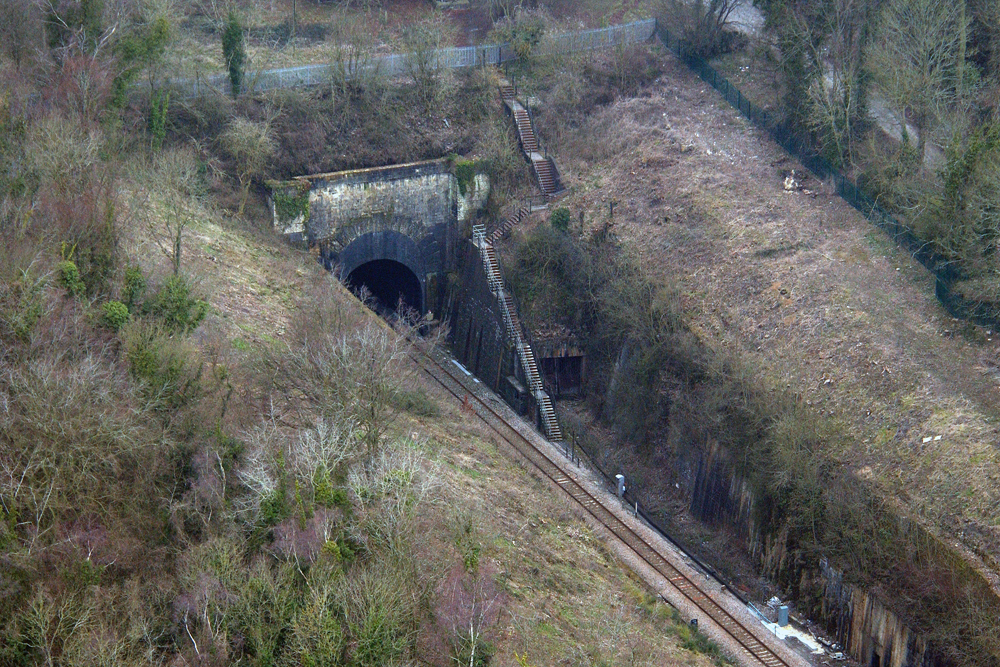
x: 868, y: 630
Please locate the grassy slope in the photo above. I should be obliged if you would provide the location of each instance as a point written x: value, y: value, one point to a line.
x: 566, y: 599
x: 801, y: 285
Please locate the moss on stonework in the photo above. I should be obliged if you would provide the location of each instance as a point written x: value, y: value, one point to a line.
x: 290, y: 203
x: 465, y: 172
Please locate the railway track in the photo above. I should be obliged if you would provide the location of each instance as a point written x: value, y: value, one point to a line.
x: 750, y: 645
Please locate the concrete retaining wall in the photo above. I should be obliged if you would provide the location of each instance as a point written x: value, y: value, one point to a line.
x: 479, y: 337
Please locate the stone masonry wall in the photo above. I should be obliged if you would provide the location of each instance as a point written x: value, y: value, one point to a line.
x: 412, y: 200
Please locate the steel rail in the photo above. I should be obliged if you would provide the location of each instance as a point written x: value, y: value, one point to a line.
x: 749, y: 642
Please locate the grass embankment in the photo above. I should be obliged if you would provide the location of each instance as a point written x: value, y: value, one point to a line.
x: 210, y: 454
x: 237, y: 521
x: 779, y: 325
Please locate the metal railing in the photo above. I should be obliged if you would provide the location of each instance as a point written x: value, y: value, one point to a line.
x: 516, y: 330
x: 403, y: 64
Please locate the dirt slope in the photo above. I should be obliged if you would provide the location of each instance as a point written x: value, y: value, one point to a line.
x: 801, y: 284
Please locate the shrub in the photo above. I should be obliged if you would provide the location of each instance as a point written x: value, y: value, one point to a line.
x: 163, y: 363
x: 417, y: 403
x: 380, y: 611
x: 114, y: 315
x: 274, y: 507
x: 21, y: 306
x: 522, y: 33
x: 317, y: 636
x: 74, y: 443
x: 175, y: 307
x: 135, y: 287
x: 326, y: 495
x: 339, y: 550
x: 69, y: 277
x: 560, y: 218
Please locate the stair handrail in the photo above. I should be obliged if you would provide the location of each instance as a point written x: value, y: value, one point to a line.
x: 496, y: 282
x: 522, y: 331
x: 521, y: 337
x: 479, y: 235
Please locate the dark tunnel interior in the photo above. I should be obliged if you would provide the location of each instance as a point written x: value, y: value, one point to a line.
x: 388, y: 282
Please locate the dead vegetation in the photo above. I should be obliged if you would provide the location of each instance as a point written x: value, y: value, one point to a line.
x: 812, y: 348
x: 200, y: 462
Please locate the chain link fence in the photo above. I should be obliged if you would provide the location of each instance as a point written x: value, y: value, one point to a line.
x: 403, y: 65
x: 945, y: 273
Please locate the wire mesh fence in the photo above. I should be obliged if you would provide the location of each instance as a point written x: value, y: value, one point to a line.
x: 404, y: 65
x: 601, y: 38
x: 986, y: 313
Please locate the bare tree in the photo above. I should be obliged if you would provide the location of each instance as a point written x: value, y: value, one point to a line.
x: 838, y: 96
x: 20, y: 30
x: 703, y: 23
x: 987, y: 14
x: 422, y: 41
x: 176, y: 172
x: 915, y: 61
x: 470, y: 603
x: 353, y: 65
x: 250, y: 144
x: 353, y: 374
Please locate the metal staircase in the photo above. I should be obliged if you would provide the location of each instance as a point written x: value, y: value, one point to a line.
x: 545, y: 172
x: 542, y: 165
x: 529, y: 141
x: 512, y: 221
x: 516, y: 332
x: 508, y: 92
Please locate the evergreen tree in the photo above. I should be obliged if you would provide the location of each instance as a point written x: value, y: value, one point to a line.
x: 234, y: 51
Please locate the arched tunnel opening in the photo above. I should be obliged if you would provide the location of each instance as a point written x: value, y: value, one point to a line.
x: 388, y: 282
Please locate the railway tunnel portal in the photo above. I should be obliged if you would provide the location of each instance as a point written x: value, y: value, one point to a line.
x: 405, y: 233
x: 394, y: 230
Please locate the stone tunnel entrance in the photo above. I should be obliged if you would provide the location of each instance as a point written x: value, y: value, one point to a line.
x: 395, y: 229
x: 388, y: 282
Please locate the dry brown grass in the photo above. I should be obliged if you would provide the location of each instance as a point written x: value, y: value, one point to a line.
x: 564, y: 599
x: 568, y: 600
x: 801, y: 286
